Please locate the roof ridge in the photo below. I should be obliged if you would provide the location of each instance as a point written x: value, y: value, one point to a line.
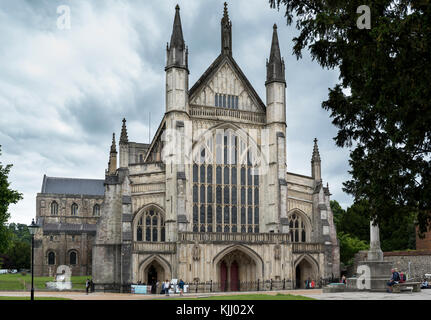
x: 68, y: 178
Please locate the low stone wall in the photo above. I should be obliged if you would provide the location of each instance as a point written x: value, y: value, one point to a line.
x: 419, y: 260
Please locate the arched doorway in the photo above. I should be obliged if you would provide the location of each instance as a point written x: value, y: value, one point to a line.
x: 154, y: 273
x: 236, y: 271
x: 298, y: 277
x: 306, y: 269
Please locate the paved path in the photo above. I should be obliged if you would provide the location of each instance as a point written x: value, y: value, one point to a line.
x: 317, y: 294
x: 126, y: 296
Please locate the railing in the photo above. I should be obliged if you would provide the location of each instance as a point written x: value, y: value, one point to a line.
x: 223, y: 114
x: 227, y: 286
x: 233, y: 237
x: 148, y: 188
x: 307, y: 247
x: 154, y: 247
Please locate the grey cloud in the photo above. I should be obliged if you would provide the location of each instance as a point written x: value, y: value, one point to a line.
x: 63, y: 93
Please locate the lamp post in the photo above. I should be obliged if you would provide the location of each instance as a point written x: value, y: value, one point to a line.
x: 32, y: 228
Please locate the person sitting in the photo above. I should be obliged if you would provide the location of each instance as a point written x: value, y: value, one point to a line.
x: 424, y: 284
x: 343, y: 279
x: 394, y: 280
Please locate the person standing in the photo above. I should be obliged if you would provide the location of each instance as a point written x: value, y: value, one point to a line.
x: 167, y: 286
x: 87, y: 285
x: 181, y: 286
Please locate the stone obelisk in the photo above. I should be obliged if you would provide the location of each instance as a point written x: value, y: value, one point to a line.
x: 375, y: 253
x: 374, y: 272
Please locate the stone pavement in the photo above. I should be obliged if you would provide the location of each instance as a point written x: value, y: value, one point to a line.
x: 315, y: 293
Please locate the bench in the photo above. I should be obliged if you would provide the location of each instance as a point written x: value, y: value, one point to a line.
x: 396, y: 288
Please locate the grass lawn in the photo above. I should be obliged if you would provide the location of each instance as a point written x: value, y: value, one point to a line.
x: 19, y: 282
x: 35, y: 298
x: 278, y: 296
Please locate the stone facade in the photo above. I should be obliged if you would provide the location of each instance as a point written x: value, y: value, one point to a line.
x: 210, y: 199
x: 68, y: 224
x: 185, y: 211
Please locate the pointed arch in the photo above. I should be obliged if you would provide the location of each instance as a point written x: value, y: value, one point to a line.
x: 149, y: 224
x: 226, y: 167
x: 303, y: 218
x: 160, y: 260
x: 244, y: 249
x: 305, y: 267
x: 309, y: 259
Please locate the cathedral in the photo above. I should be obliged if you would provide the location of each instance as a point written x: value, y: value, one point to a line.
x: 208, y: 200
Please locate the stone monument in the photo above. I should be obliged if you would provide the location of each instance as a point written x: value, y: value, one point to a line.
x: 373, y: 273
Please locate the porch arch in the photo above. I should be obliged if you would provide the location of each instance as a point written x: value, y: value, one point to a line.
x: 304, y: 268
x: 143, y: 266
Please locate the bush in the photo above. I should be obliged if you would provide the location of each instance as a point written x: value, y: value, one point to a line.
x: 349, y: 246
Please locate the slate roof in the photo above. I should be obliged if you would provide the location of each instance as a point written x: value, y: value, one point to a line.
x: 68, y: 227
x: 56, y: 185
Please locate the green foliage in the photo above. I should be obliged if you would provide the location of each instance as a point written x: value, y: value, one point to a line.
x: 7, y: 197
x: 18, y: 256
x: 353, y: 227
x: 382, y: 104
x: 349, y: 246
x: 20, y: 232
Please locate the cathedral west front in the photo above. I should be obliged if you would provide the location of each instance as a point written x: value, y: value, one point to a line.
x: 210, y: 199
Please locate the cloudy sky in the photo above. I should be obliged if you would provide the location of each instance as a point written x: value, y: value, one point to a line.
x: 64, y: 91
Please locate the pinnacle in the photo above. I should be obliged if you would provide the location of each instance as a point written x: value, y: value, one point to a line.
x: 113, y: 147
x: 123, y: 137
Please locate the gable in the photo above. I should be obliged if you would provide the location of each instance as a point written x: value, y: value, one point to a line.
x: 225, y: 78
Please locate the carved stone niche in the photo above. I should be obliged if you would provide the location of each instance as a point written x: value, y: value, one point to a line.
x: 196, y: 251
x: 277, y: 250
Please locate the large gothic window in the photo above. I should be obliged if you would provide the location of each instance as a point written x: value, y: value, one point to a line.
x: 54, y: 208
x: 151, y: 226
x: 297, y: 228
x: 230, y: 201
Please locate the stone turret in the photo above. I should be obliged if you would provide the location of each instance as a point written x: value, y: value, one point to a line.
x: 275, y: 66
x: 176, y: 51
x: 226, y: 33
x: 276, y: 123
x: 177, y: 72
x: 316, y: 171
x: 124, y: 146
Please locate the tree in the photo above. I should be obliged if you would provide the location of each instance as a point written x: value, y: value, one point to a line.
x: 7, y: 197
x: 395, y: 234
x: 17, y: 256
x: 349, y: 246
x: 382, y: 104
x: 20, y: 232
